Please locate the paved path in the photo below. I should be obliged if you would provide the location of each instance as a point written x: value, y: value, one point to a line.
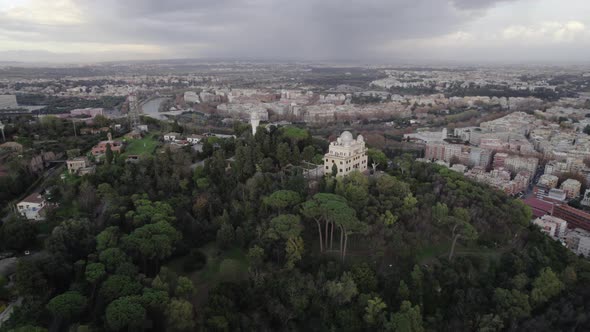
x: 5, y: 315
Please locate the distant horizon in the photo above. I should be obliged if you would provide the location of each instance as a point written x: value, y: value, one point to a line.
x: 342, y: 62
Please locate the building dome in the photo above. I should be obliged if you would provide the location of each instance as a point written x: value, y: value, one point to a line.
x: 360, y: 139
x: 346, y: 138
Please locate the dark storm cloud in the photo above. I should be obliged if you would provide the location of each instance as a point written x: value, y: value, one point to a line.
x: 262, y: 28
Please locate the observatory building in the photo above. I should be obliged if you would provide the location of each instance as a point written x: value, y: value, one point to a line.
x: 347, y: 154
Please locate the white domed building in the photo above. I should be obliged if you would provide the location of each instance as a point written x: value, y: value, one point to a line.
x: 347, y: 154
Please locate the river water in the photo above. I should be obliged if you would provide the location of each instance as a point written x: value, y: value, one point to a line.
x: 151, y: 108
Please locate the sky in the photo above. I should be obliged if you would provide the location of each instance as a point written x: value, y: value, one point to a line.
x: 490, y: 31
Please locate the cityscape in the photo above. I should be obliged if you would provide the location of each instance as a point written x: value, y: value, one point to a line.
x: 192, y: 175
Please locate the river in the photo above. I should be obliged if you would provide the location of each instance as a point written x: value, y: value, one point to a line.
x: 151, y: 109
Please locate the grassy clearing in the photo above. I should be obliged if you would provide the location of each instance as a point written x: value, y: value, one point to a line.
x: 142, y: 147
x: 222, y: 266
x: 431, y: 253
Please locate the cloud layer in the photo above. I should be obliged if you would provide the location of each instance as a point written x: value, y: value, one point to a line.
x: 267, y: 29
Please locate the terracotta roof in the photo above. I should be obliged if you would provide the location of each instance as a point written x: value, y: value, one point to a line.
x: 574, y: 211
x: 539, y: 207
x: 11, y: 145
x: 33, y: 198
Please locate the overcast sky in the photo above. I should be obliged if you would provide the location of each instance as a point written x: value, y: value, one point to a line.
x: 515, y: 31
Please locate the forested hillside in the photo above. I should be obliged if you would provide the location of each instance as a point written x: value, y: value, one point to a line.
x: 244, y: 242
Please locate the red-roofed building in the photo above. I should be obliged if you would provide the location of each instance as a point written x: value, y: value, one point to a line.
x: 32, y: 207
x: 101, y: 147
x: 575, y: 218
x: 540, y: 207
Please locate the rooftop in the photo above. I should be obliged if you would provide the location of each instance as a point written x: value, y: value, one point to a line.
x: 35, y: 198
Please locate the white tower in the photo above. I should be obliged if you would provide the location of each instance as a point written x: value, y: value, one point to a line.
x: 2, y: 129
x: 254, y: 121
x: 133, y: 112
x: 444, y: 134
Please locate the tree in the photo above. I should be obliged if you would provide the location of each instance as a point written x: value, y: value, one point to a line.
x: 18, y: 234
x: 403, y: 292
x: 267, y: 165
x: 225, y: 235
x: 294, y: 251
x: 108, y: 238
x: 126, y: 312
x: 349, y: 225
x: 72, y: 239
x: 587, y: 130
x: 148, y: 212
x: 355, y: 188
x: 296, y: 155
x: 440, y: 212
x: 334, y: 211
x: 319, y: 209
x: 30, y: 279
x: 377, y: 159
x: 511, y: 305
x: 308, y: 153
x: 334, y: 170
x: 388, y: 219
x: 184, y: 288
x: 408, y: 319
x: 180, y: 315
x: 94, y: 272
x: 285, y: 226
x: 67, y: 305
x: 117, y: 286
x: 153, y: 242
x: 87, y: 196
x: 459, y: 223
x: 404, y: 162
x: 343, y: 290
x: 109, y: 154
x: 364, y: 277
x: 375, y: 311
x: 112, y: 258
x: 417, y: 283
x: 256, y: 259
x: 545, y: 286
x: 154, y: 299
x: 282, y: 199
x: 283, y: 154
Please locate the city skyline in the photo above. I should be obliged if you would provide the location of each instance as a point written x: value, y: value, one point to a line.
x: 482, y: 31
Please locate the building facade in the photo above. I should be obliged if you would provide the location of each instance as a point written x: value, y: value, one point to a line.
x: 32, y: 207
x: 171, y: 137
x: 552, y: 226
x: 548, y: 180
x: 571, y: 187
x: 75, y: 164
x: 578, y: 241
x: 347, y: 153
